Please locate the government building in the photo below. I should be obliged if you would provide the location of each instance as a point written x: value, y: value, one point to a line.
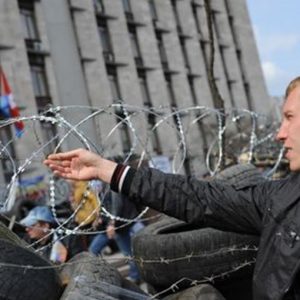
x: 128, y: 57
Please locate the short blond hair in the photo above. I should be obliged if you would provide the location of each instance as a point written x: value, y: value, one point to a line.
x: 292, y: 85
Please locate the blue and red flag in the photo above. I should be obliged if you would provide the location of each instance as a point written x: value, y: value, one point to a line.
x: 8, y: 107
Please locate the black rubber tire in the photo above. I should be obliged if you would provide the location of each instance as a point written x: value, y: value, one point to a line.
x: 26, y: 283
x: 87, y: 263
x: 92, y: 277
x: 204, y: 252
x: 171, y: 239
x: 89, y: 276
x: 8, y: 235
x: 199, y: 292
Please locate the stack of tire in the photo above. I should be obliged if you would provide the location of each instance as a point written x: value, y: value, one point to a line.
x: 172, y: 253
x: 168, y: 251
x: 24, y: 275
x: 90, y: 277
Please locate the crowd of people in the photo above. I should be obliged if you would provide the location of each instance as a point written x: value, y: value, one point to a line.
x: 42, y: 228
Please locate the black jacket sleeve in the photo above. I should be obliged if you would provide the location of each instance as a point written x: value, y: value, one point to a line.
x: 201, y: 203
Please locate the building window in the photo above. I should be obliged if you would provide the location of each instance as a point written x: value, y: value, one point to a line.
x: 105, y: 41
x: 134, y: 42
x: 195, y: 13
x: 135, y: 46
x: 114, y: 88
x: 227, y: 76
x: 42, y: 98
x: 104, y: 36
x: 185, y: 55
x: 248, y: 95
x: 39, y: 81
x: 127, y: 10
x: 37, y: 70
x: 233, y: 32
x: 116, y: 94
x: 170, y: 91
x: 153, y: 12
x: 126, y: 5
x: 114, y: 85
x: 28, y: 23
x: 215, y: 24
x: 174, y: 6
x: 205, y: 52
x: 125, y: 135
x: 29, y: 27
x: 171, y: 94
x: 151, y: 117
x: 99, y: 7
x: 162, y: 51
x: 144, y: 90
x: 49, y: 132
x: 192, y: 88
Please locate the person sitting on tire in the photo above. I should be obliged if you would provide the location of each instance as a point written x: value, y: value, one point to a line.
x: 270, y: 209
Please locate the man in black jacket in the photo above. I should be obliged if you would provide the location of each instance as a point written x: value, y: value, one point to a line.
x: 270, y: 209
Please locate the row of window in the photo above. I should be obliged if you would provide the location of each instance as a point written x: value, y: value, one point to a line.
x: 204, y: 45
x: 36, y: 58
x: 112, y: 69
x: 39, y: 78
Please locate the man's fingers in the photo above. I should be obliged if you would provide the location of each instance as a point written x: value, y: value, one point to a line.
x: 65, y: 163
x: 64, y: 155
x: 61, y: 167
x: 54, y: 163
x: 64, y: 175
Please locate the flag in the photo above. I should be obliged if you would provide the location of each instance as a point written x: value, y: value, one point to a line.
x: 8, y: 107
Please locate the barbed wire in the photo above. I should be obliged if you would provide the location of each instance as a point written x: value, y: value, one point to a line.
x: 173, y: 119
x: 174, y: 286
x: 179, y: 122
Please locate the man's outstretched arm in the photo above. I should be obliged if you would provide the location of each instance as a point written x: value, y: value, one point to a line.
x: 183, y: 197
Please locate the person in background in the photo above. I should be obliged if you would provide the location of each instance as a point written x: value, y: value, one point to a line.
x: 39, y: 224
x: 118, y: 230
x: 84, y: 203
x: 40, y: 230
x: 270, y: 209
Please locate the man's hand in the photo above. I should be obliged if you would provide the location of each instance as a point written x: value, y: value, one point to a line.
x: 81, y: 164
x: 110, y: 231
x: 98, y: 221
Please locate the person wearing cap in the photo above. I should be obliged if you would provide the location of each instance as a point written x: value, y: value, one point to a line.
x: 39, y: 223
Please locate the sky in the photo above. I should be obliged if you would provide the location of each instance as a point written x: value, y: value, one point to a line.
x: 276, y: 25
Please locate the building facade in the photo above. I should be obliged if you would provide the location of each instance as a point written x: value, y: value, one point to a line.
x: 146, y: 53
